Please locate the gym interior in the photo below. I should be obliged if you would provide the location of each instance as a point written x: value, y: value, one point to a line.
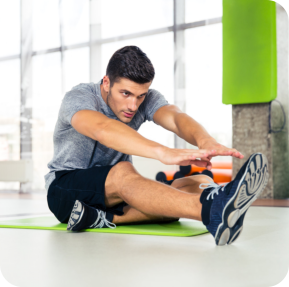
x: 223, y: 62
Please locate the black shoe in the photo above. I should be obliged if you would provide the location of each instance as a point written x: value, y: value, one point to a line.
x: 229, y: 203
x: 77, y: 220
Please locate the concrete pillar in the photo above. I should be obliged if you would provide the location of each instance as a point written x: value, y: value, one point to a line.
x: 250, y: 135
x: 280, y: 140
x: 251, y: 123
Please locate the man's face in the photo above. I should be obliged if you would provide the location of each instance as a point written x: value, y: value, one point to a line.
x: 125, y: 97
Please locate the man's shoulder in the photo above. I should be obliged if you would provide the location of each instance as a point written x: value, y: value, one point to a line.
x: 153, y: 92
x: 152, y: 97
x: 89, y: 87
x: 84, y: 91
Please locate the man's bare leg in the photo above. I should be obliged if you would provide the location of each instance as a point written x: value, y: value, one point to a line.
x: 131, y: 215
x: 150, y: 200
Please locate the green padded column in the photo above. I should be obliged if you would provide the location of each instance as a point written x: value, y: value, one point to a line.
x: 249, y: 51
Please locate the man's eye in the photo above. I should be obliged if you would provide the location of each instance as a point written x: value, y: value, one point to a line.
x: 125, y: 93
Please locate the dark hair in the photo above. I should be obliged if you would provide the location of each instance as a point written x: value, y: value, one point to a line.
x: 132, y: 63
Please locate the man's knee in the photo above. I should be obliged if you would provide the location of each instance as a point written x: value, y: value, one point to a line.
x: 120, y: 172
x: 116, y: 179
x: 122, y: 169
x: 200, y: 178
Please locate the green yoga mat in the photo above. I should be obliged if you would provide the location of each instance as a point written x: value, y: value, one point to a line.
x: 179, y: 228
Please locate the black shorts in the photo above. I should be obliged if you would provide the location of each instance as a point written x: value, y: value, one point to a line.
x: 86, y: 185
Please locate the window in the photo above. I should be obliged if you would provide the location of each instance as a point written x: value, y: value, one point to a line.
x: 75, y: 20
x: 201, y: 10
x: 61, y: 60
x: 10, y: 38
x: 46, y: 24
x: 124, y: 17
x: 47, y: 96
x: 204, y: 82
x: 10, y: 115
x: 76, y: 67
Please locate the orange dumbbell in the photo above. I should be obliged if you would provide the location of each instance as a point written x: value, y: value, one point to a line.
x: 190, y: 169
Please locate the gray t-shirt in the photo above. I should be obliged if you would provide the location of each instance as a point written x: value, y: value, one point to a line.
x: 73, y: 150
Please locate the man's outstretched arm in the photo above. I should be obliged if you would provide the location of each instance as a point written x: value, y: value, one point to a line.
x: 120, y: 137
x: 173, y: 119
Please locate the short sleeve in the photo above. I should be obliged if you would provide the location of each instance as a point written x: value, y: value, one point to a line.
x: 153, y: 101
x: 79, y: 98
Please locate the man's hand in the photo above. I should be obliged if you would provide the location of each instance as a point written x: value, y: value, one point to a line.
x: 219, y: 149
x: 185, y: 156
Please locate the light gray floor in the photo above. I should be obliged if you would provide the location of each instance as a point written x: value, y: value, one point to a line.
x: 260, y: 257
x: 9, y: 207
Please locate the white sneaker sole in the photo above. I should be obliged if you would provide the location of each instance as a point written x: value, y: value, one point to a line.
x: 72, y: 222
x: 250, y: 186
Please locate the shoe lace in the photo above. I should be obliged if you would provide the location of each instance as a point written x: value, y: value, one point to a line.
x: 214, y: 191
x: 102, y: 221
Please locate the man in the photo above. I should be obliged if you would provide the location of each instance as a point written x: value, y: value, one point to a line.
x: 92, y: 182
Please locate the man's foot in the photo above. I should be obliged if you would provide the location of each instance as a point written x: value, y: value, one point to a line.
x: 78, y: 218
x: 224, y: 207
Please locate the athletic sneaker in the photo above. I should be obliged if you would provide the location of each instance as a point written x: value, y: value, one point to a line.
x: 79, y: 218
x: 224, y: 207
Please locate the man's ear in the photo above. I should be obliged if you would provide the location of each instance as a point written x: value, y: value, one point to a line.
x: 106, y: 83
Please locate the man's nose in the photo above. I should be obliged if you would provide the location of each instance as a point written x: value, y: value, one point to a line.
x: 132, y: 106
